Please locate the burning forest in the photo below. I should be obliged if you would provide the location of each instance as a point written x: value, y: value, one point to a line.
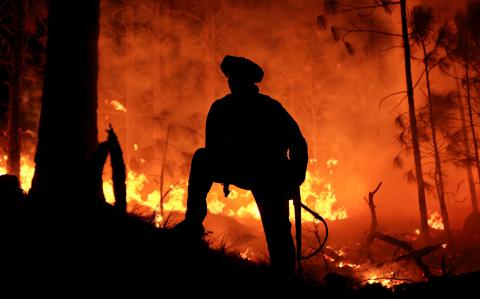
x: 104, y: 103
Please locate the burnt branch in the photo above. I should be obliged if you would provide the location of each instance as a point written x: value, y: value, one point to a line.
x: 118, y: 171
x: 412, y: 255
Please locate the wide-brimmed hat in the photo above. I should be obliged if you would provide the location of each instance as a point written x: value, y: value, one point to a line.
x: 241, y: 68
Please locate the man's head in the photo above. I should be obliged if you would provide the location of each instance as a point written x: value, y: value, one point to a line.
x: 242, y: 73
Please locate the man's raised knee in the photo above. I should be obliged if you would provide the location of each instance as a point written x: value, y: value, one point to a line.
x: 200, y: 154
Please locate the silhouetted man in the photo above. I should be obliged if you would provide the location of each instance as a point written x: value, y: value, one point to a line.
x: 253, y: 143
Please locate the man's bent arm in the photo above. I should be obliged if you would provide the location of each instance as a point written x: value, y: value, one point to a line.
x: 298, y: 150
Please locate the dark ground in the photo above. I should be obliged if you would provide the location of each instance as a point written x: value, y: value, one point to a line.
x: 96, y: 249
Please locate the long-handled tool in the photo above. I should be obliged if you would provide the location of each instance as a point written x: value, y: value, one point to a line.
x: 298, y: 205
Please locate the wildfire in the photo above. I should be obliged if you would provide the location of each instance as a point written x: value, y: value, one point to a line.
x: 315, y: 191
x: 435, y: 221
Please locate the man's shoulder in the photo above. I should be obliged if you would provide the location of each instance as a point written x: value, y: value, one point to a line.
x: 219, y: 103
x: 271, y: 101
x: 222, y: 101
x: 268, y: 98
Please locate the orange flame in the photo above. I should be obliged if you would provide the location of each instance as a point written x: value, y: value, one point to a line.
x: 315, y: 191
x: 435, y: 221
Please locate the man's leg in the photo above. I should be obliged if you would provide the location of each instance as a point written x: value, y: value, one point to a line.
x: 199, y: 184
x: 274, y: 210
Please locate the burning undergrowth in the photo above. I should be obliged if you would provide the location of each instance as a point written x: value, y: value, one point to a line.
x: 366, y: 256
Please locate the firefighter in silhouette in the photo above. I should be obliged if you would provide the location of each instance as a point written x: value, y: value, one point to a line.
x: 252, y: 142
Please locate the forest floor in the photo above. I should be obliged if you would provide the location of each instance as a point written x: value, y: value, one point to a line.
x: 98, y: 248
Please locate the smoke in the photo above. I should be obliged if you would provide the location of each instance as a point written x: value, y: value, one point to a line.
x: 161, y: 61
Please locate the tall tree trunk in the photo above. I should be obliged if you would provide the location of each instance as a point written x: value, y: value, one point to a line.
x: 413, y: 126
x: 468, y: 155
x: 472, y: 125
x: 471, y: 181
x: 439, y: 184
x: 14, y: 143
x: 67, y: 134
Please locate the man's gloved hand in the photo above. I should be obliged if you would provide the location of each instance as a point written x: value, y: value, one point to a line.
x: 296, y: 177
x: 297, y: 174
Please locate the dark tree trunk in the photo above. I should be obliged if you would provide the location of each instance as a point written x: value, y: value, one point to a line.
x: 472, y: 124
x: 439, y: 184
x: 67, y: 134
x: 468, y: 154
x: 413, y: 126
x: 14, y: 144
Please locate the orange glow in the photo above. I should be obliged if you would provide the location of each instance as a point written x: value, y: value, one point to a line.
x: 158, y: 75
x: 316, y: 192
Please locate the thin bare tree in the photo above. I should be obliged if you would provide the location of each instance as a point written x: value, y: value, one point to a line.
x: 333, y: 7
x: 425, y: 33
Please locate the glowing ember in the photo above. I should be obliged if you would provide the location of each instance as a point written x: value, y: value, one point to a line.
x: 387, y: 280
x: 351, y: 265
x: 435, y: 221
x: 158, y: 220
x: 247, y: 254
x: 118, y: 106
